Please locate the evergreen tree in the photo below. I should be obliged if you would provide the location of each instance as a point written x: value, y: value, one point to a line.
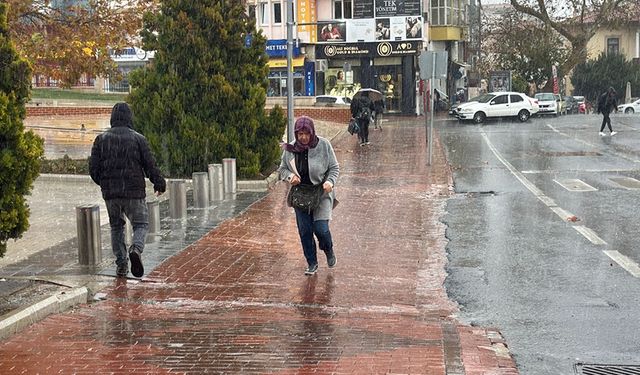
x: 19, y: 150
x: 202, y: 98
x: 592, y: 78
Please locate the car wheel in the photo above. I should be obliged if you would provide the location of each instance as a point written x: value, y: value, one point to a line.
x: 523, y: 115
x: 479, y: 117
x: 628, y: 110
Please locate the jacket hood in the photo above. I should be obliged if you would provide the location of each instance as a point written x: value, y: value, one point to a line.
x: 121, y: 116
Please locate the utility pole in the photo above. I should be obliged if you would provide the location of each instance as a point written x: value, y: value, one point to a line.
x: 290, y: 134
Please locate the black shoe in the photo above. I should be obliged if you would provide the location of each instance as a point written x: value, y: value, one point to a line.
x: 331, y: 258
x: 312, y: 269
x: 122, y: 270
x: 135, y: 256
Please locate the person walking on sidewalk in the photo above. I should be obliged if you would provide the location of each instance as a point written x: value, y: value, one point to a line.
x: 361, y: 110
x: 607, y: 103
x: 310, y: 160
x: 120, y: 160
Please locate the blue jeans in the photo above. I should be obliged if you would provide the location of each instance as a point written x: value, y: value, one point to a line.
x: 137, y: 213
x: 306, y: 229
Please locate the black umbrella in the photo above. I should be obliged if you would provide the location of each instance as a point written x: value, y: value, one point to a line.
x: 373, y: 94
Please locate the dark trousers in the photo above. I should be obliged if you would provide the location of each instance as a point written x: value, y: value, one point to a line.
x: 606, y: 120
x: 364, y: 130
x: 307, y: 228
x: 137, y: 213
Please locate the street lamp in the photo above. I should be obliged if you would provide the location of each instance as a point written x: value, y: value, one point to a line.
x: 290, y: 134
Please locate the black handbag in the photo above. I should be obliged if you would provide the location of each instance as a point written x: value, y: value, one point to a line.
x: 305, y: 197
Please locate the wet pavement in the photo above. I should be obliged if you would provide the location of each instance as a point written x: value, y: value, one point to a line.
x: 236, y: 299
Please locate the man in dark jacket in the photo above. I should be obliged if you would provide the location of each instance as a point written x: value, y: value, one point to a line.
x: 607, y: 103
x: 361, y: 110
x: 120, y: 160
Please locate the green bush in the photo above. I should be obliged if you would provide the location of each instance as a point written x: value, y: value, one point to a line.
x: 66, y: 165
x: 593, y: 77
x: 19, y: 149
x: 203, y: 97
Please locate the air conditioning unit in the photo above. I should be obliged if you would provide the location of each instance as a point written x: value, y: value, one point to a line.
x: 322, y: 65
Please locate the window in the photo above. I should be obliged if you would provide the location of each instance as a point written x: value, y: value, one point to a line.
x: 277, y: 12
x: 516, y: 98
x: 264, y: 13
x: 613, y: 46
x: 501, y: 99
x: 252, y: 12
x: 342, y: 9
x: 448, y: 12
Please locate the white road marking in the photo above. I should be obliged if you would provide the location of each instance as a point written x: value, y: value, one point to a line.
x: 574, y: 184
x: 624, y: 262
x: 589, y: 234
x: 629, y: 265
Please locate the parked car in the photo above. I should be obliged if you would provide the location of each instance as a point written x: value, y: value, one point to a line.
x: 584, y: 106
x: 498, y: 104
x: 571, y: 104
x: 549, y: 103
x: 332, y: 100
x: 630, y: 108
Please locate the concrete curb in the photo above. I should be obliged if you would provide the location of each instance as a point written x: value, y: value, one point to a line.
x: 57, y: 303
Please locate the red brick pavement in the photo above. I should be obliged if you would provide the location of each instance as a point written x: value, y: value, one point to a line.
x: 237, y: 302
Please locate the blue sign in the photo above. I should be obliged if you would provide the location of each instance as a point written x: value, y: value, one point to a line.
x: 278, y: 48
x: 309, y: 78
x: 247, y: 40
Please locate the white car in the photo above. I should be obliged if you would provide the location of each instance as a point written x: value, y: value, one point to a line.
x: 331, y: 100
x: 549, y: 103
x: 630, y: 108
x: 498, y: 104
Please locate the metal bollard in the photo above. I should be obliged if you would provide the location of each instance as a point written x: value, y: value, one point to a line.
x: 229, y: 175
x: 216, y: 191
x: 200, y: 189
x: 177, y: 199
x: 154, y: 216
x: 89, y: 241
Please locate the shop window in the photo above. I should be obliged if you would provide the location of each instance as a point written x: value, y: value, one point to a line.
x: 264, y: 13
x: 613, y: 46
x: 277, y: 13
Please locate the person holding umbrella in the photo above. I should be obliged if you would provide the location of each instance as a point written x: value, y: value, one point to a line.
x: 362, y: 109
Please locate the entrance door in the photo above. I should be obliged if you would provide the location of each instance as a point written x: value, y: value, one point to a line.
x: 388, y: 80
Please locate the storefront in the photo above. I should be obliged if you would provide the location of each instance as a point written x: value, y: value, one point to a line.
x: 388, y: 67
x: 303, y: 72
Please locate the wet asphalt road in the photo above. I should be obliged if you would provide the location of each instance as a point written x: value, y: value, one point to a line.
x: 556, y: 288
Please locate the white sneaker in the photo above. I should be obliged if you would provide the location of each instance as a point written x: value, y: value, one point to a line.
x: 614, y: 133
x: 601, y: 134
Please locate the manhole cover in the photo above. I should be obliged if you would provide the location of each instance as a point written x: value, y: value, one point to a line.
x: 601, y: 369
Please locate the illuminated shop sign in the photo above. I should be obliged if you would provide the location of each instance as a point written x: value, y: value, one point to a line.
x: 382, y: 49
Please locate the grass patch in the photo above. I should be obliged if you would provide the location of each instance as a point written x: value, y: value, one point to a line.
x: 75, y: 94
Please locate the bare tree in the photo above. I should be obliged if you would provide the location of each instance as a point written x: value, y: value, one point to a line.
x: 579, y: 20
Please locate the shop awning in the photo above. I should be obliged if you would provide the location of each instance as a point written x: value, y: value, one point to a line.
x: 282, y: 63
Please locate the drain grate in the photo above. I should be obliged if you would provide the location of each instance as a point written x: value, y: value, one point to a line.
x: 600, y: 369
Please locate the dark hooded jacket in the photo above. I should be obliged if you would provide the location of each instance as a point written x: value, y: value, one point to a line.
x: 121, y: 159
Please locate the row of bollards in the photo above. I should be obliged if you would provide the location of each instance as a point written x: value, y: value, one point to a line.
x: 213, y: 185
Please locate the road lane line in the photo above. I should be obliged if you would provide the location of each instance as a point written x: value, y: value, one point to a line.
x: 589, y: 234
x: 624, y: 262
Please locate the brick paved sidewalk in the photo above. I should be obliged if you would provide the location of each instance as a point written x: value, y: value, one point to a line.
x: 237, y: 300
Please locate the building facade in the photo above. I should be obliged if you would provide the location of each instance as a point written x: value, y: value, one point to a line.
x: 345, y: 45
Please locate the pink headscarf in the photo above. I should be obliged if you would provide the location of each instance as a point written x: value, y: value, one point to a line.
x: 305, y: 124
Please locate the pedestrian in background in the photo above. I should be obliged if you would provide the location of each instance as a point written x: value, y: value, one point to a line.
x: 361, y: 110
x: 120, y: 160
x: 310, y: 160
x: 607, y: 103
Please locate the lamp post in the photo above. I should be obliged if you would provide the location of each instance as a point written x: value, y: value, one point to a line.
x: 290, y: 134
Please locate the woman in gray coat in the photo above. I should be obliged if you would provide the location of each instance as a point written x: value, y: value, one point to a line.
x: 310, y: 160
